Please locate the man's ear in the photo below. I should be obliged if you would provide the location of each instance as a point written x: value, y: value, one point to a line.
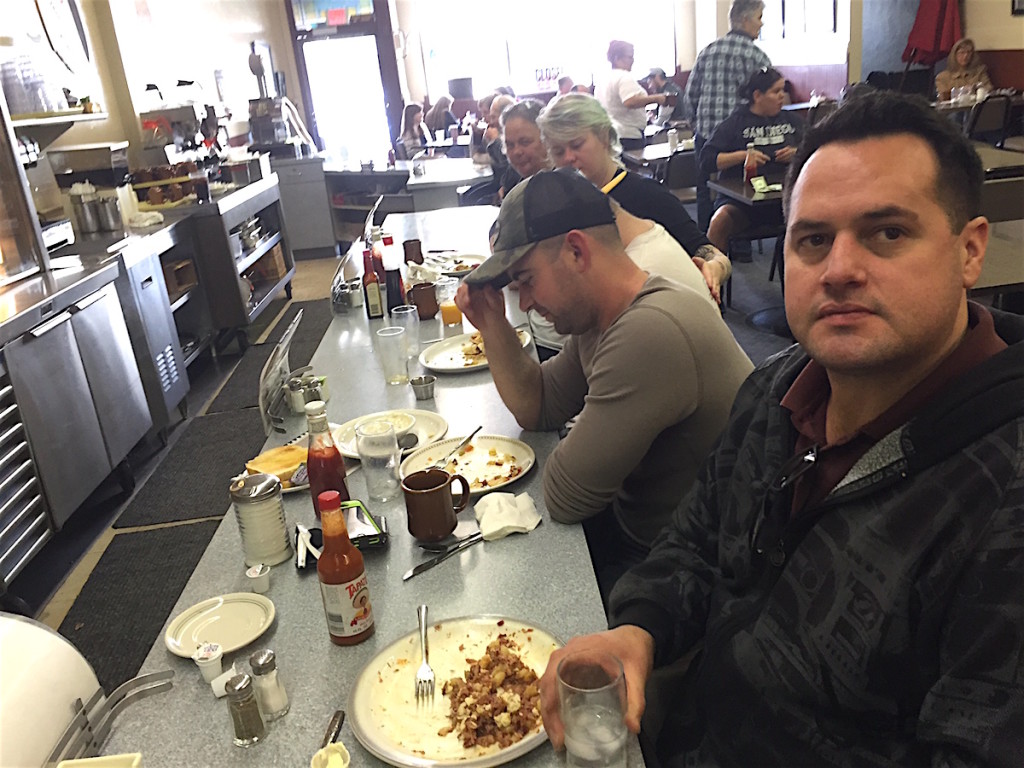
x: 581, y: 248
x: 972, y: 244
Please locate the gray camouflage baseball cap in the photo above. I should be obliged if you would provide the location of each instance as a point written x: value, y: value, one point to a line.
x: 548, y: 204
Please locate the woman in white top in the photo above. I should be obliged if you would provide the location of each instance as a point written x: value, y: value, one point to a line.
x: 624, y: 98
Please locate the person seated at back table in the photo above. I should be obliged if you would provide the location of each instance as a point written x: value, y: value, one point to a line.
x: 673, y: 108
x: 650, y: 368
x: 851, y: 557
x: 439, y: 117
x: 964, y: 68
x: 579, y: 132
x: 414, y: 137
x: 775, y: 134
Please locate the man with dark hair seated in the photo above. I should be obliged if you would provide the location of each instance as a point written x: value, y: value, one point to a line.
x: 850, y: 561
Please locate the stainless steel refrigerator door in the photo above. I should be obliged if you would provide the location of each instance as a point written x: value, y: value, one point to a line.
x: 110, y: 368
x: 59, y: 417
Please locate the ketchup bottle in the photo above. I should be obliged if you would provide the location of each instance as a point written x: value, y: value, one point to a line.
x: 324, y: 464
x: 749, y: 164
x: 343, y: 584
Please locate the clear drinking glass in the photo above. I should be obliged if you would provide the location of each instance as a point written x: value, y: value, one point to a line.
x: 378, y: 452
x: 592, y: 700
x: 393, y: 359
x: 446, y: 288
x: 407, y: 316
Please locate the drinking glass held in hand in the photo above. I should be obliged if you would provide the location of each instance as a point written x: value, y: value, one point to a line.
x: 379, y: 454
x: 592, y: 700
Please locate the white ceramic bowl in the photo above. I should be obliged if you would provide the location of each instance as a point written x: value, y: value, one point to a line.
x: 401, y: 421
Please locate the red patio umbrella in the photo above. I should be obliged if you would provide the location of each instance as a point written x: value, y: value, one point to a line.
x: 936, y: 29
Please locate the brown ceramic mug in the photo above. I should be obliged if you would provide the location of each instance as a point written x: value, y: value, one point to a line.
x: 428, y: 501
x: 413, y: 251
x: 425, y: 298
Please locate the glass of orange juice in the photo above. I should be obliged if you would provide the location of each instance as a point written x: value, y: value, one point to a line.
x: 446, y: 288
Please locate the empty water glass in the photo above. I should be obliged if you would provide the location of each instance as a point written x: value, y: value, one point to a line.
x: 393, y: 358
x: 378, y: 452
x: 592, y: 701
x: 408, y: 317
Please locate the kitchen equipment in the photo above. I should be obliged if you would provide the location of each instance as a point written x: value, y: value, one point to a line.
x: 109, y: 214
x: 103, y: 164
x: 87, y: 213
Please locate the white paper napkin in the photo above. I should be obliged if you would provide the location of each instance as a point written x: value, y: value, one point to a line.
x: 500, y: 514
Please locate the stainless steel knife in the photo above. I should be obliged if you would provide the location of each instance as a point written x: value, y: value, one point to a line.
x: 469, y: 541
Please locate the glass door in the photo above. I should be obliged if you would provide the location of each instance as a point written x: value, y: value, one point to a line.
x: 348, y: 97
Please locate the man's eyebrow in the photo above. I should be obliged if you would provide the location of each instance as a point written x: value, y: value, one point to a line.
x: 877, y: 214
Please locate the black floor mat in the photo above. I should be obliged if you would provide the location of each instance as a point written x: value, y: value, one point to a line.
x: 193, y: 478
x: 129, y: 596
x: 241, y: 390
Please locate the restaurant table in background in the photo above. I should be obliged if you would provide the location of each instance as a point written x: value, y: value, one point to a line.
x: 999, y: 163
x: 438, y: 185
x: 654, y: 157
x: 772, y: 319
x: 514, y: 577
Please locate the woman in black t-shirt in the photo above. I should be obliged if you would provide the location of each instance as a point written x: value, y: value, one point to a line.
x: 775, y: 135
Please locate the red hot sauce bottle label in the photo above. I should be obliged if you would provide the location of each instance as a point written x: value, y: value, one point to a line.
x: 347, y: 607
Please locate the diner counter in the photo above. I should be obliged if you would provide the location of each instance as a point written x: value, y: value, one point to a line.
x: 544, y: 577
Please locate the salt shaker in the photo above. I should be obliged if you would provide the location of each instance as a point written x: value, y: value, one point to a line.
x: 245, y: 711
x: 269, y: 689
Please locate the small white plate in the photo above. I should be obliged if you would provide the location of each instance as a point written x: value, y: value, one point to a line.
x: 382, y: 709
x: 447, y: 357
x: 429, y: 427
x: 232, y: 620
x: 473, y: 465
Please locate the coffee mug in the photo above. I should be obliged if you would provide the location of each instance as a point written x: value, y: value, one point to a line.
x: 428, y: 501
x: 425, y: 298
x: 413, y: 251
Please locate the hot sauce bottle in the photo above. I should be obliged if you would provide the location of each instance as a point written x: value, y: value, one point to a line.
x: 342, y: 575
x: 749, y: 164
x: 371, y: 289
x: 324, y: 464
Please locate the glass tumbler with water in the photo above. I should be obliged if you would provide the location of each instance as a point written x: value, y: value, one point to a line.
x: 378, y: 452
x: 592, y: 700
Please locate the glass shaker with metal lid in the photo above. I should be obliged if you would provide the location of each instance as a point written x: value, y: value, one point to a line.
x: 259, y: 510
x: 245, y: 711
x: 269, y: 689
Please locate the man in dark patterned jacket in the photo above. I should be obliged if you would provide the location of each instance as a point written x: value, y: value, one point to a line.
x: 848, y: 572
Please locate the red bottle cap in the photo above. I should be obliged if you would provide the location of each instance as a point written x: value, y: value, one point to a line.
x: 329, y: 500
x: 388, y: 240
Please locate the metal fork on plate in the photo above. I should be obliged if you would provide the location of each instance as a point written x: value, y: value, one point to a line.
x: 424, y: 675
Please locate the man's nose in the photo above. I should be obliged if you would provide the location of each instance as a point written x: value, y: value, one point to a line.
x: 845, y: 260
x: 525, y: 299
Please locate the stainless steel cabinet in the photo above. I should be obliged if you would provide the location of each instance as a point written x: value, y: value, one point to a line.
x: 307, y: 210
x: 81, y: 397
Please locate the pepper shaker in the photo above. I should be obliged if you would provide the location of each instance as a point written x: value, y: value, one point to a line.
x: 269, y: 689
x: 245, y: 711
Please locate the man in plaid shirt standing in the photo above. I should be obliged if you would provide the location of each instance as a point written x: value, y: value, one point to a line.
x: 712, y: 88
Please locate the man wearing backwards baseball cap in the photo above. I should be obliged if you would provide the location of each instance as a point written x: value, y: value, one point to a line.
x: 650, y: 368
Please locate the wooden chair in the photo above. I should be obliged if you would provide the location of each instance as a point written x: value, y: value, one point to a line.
x: 988, y: 120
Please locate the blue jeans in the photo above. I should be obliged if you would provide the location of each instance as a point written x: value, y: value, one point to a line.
x: 704, y: 209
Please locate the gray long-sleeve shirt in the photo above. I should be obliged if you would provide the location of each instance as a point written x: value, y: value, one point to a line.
x: 655, y: 390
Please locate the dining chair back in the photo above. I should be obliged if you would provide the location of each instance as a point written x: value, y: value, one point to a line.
x: 681, y: 176
x: 988, y: 120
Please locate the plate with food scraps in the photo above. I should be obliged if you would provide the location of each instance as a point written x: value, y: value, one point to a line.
x: 383, y: 713
x: 428, y: 427
x: 463, y: 264
x: 462, y: 353
x: 488, y: 462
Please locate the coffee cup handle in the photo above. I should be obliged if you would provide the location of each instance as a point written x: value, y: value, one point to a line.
x: 464, y: 496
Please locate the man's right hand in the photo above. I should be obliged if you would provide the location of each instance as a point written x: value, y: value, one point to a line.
x: 483, y: 306
x: 635, y: 649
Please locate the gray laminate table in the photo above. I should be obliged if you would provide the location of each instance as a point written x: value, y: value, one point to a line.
x: 544, y: 577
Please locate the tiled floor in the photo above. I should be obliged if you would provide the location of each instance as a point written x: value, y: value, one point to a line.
x: 312, y: 281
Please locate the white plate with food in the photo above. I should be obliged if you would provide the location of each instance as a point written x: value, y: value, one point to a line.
x: 284, y: 460
x: 428, y: 427
x: 463, y: 264
x: 489, y: 462
x: 462, y: 353
x: 232, y: 620
x: 383, y: 712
